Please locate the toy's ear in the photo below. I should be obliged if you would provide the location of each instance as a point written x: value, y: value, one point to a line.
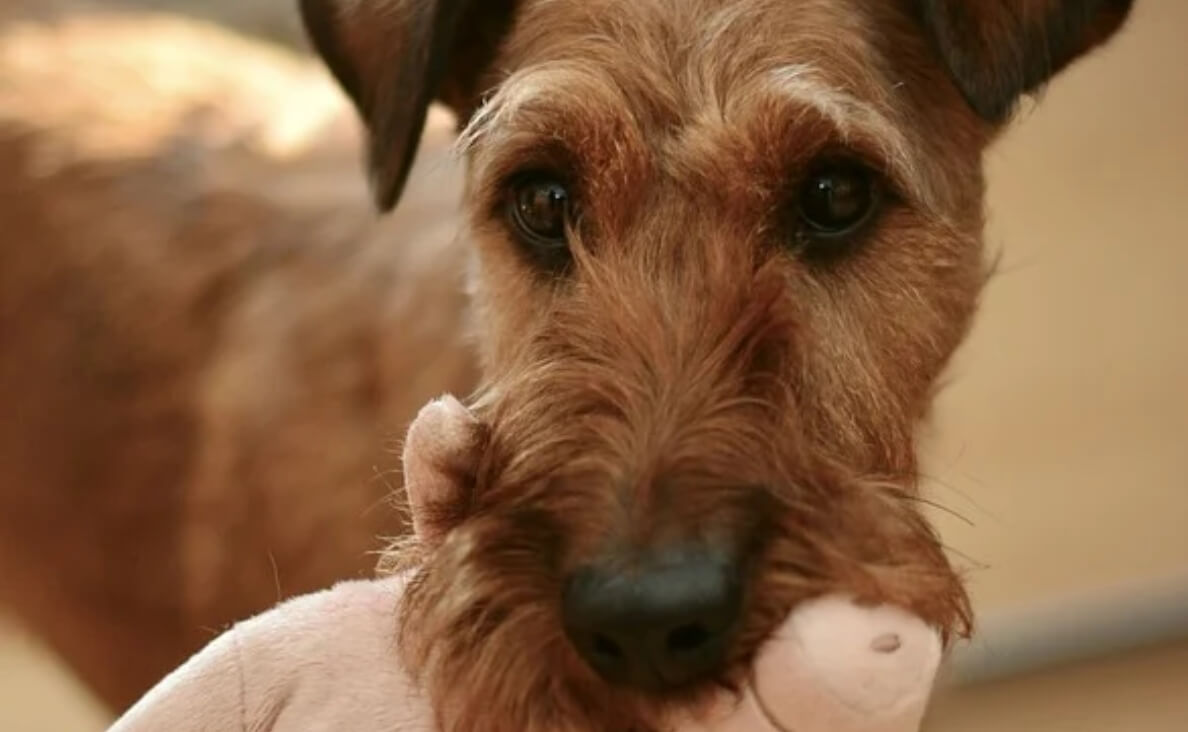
x: 394, y: 57
x: 999, y: 50
x: 441, y: 455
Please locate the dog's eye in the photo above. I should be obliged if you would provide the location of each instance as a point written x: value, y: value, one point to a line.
x: 540, y: 209
x: 836, y: 198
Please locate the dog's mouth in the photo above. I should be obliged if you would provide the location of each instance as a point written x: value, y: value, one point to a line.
x: 491, y: 603
x: 492, y: 617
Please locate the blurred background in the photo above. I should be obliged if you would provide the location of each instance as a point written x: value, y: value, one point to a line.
x: 1060, y: 449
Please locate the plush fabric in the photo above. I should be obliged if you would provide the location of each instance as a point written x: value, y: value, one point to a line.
x: 328, y: 661
x: 320, y: 662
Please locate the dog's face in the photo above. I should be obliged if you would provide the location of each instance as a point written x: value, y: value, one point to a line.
x: 723, y: 249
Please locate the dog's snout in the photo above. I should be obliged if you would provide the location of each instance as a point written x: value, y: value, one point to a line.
x: 658, y: 623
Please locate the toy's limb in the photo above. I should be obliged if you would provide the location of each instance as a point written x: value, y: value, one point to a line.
x: 440, y: 453
x: 325, y: 661
x: 837, y: 667
x: 202, y: 694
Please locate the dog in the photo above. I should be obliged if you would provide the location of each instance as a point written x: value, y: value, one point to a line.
x: 722, y: 252
x: 718, y: 253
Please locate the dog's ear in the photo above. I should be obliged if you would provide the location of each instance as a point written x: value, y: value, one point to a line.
x: 999, y: 50
x: 395, y: 57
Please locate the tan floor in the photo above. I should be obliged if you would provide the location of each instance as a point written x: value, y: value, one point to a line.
x: 1140, y: 692
x: 1062, y: 439
x: 36, y: 692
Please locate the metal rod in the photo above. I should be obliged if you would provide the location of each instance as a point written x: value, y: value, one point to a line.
x: 1070, y: 629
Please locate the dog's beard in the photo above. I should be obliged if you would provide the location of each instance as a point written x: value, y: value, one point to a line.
x: 480, y: 626
x: 479, y: 630
x: 864, y: 538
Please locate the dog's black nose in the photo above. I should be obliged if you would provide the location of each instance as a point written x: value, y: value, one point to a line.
x: 655, y: 624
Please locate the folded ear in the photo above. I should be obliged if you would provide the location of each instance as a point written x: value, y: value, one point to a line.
x: 999, y: 50
x: 394, y: 57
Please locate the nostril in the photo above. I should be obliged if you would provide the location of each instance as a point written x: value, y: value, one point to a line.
x: 687, y: 638
x: 607, y: 648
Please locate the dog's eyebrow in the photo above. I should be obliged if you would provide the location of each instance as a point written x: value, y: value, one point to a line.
x: 555, y: 115
x: 494, y: 111
x: 540, y: 100
x: 853, y: 117
x: 542, y: 90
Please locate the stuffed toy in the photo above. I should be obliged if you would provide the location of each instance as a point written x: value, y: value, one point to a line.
x: 328, y: 661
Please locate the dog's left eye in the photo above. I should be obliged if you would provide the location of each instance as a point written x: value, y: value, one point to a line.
x: 836, y: 199
x: 540, y: 209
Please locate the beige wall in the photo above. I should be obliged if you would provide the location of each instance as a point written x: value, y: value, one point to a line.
x: 1063, y: 438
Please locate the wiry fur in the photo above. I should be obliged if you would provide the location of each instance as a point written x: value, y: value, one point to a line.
x: 691, y: 375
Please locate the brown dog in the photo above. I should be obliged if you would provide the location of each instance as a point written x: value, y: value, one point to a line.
x: 723, y: 250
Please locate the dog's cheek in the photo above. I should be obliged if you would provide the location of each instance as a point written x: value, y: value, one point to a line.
x: 509, y: 302
x: 880, y: 330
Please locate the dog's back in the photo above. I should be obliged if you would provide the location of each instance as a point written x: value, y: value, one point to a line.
x: 206, y: 339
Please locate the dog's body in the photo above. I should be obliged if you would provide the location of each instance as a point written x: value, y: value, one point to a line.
x: 719, y: 253
x: 209, y: 346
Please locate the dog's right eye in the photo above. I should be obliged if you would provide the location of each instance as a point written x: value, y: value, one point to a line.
x: 836, y: 200
x: 540, y: 209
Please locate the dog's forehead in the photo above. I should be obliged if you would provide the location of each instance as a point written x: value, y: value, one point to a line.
x: 729, y: 38
x: 672, y: 60
x: 649, y: 79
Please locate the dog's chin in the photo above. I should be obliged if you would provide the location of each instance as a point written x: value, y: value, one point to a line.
x: 480, y: 632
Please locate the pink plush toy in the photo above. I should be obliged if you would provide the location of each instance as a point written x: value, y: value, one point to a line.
x: 327, y: 661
